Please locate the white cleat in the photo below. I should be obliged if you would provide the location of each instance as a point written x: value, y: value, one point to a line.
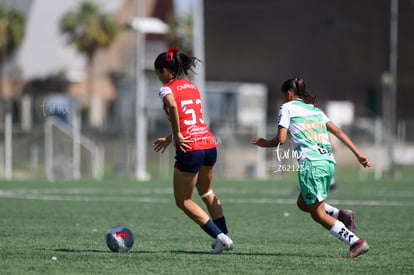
x: 222, y: 243
x: 214, y: 243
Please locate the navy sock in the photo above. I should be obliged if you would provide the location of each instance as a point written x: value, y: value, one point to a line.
x: 210, y: 228
x: 221, y: 223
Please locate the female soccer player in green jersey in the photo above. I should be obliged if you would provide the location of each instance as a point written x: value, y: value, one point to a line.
x: 307, y: 127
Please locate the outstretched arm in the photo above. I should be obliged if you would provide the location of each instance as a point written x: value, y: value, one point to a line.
x: 347, y: 141
x: 280, y: 138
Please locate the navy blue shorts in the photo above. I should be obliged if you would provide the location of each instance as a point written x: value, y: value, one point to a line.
x: 191, y: 161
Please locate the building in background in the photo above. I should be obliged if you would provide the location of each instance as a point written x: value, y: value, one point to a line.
x: 341, y: 48
x: 48, y: 64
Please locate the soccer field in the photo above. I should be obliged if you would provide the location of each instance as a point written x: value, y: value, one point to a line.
x: 69, y: 220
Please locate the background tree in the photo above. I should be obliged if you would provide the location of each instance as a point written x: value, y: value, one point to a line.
x: 89, y: 30
x: 181, y: 33
x: 12, y: 26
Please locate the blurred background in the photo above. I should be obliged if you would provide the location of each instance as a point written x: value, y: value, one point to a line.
x: 79, y: 98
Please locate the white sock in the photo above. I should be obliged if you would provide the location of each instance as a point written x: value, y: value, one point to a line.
x: 339, y: 230
x: 331, y: 211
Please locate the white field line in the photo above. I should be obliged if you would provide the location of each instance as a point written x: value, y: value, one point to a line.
x: 152, y: 196
x: 334, y: 202
x: 168, y: 191
x: 99, y: 198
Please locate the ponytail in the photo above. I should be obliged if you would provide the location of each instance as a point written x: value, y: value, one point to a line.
x: 175, y: 61
x: 298, y: 86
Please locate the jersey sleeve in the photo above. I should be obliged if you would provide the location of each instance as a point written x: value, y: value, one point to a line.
x: 325, y: 118
x: 284, y: 117
x: 164, y: 91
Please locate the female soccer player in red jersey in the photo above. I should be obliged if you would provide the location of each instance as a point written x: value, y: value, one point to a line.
x: 196, y: 151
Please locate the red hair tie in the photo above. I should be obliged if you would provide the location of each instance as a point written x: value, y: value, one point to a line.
x: 170, y: 53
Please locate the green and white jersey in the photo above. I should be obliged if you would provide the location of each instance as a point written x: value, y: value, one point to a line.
x: 307, y: 130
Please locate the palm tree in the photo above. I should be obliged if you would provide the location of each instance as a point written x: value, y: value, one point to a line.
x: 181, y: 33
x: 89, y: 30
x: 12, y: 25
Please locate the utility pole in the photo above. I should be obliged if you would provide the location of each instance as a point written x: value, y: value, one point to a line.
x: 393, y: 82
x: 199, y: 52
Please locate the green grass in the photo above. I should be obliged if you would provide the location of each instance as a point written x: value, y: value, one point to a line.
x: 68, y: 220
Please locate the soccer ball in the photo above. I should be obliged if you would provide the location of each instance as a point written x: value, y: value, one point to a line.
x: 119, y: 239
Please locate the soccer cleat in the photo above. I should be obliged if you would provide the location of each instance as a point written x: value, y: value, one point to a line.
x: 358, y: 248
x: 214, y: 243
x: 222, y: 243
x: 347, y: 217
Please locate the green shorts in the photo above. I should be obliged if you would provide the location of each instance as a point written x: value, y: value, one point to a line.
x: 314, y: 179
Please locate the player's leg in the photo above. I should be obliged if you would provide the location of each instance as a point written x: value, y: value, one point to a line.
x: 210, y: 199
x: 338, y: 229
x: 300, y: 202
x: 205, y: 191
x: 341, y: 231
x: 204, y: 182
x: 331, y: 210
x: 345, y: 216
x: 184, y: 183
x: 185, y: 178
x: 314, y: 183
x: 318, y: 214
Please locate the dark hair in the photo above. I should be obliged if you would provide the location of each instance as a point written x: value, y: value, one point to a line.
x: 175, y: 61
x: 298, y: 86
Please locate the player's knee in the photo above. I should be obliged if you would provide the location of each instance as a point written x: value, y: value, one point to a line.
x: 182, y: 204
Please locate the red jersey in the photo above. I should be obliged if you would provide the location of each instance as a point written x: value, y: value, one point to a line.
x: 188, y: 101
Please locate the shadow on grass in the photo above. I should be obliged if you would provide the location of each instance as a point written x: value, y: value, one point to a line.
x: 107, y: 251
x: 250, y: 254
x: 70, y: 250
x: 188, y: 252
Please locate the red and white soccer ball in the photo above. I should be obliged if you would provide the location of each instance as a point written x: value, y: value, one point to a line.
x: 119, y: 239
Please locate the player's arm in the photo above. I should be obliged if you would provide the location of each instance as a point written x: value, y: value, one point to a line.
x: 280, y: 138
x: 175, y: 123
x: 347, y: 141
